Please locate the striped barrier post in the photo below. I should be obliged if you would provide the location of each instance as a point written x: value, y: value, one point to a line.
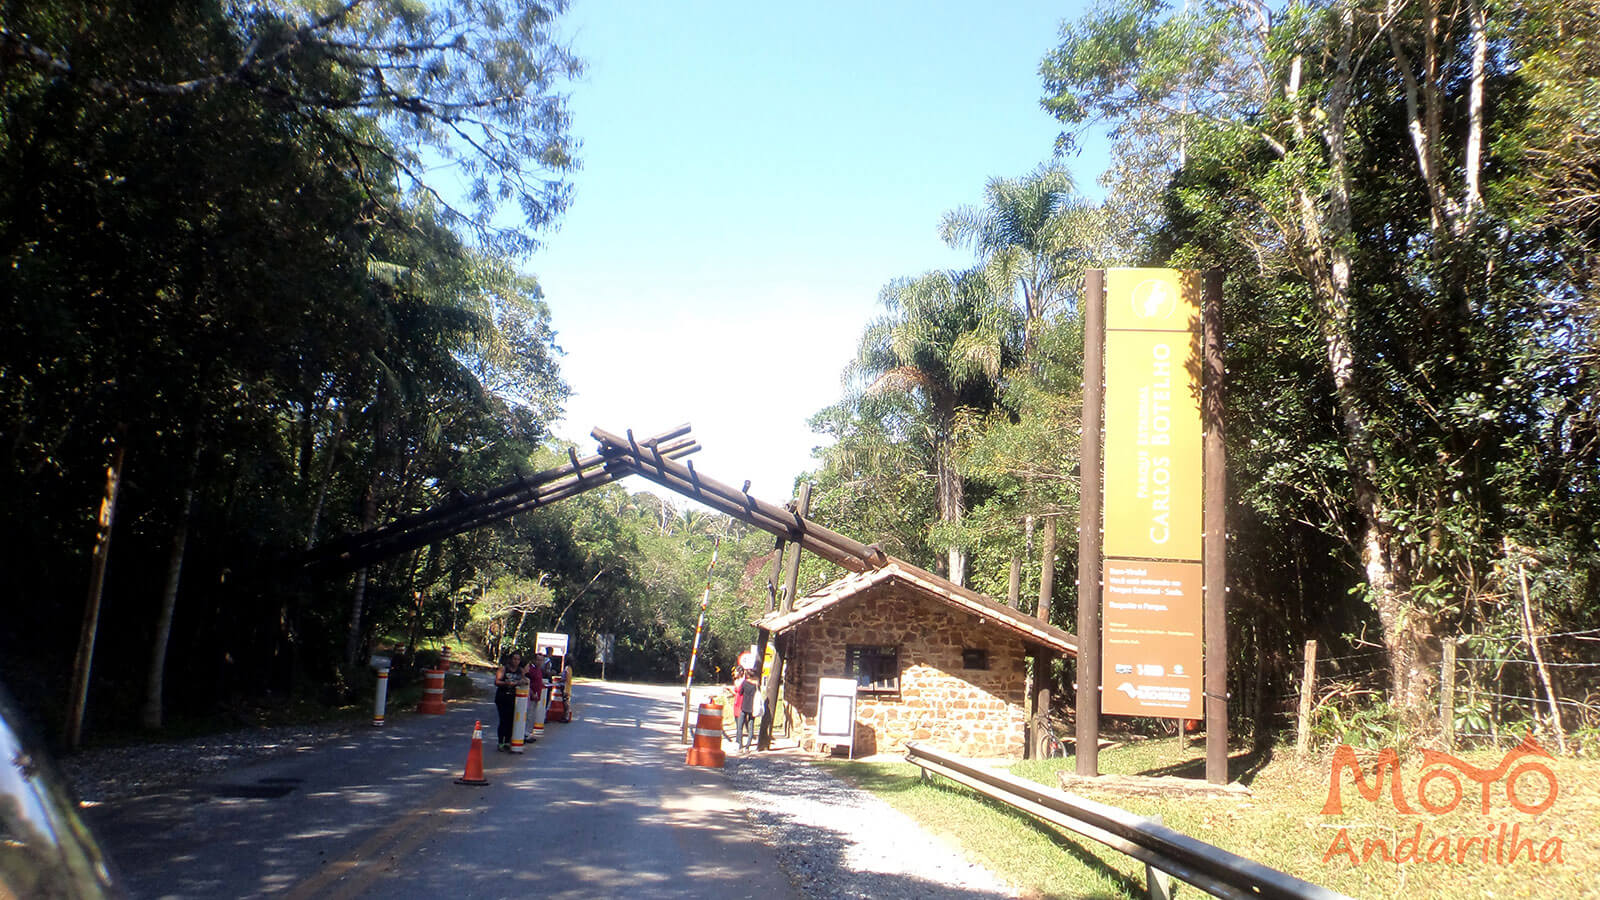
x: 382, y: 697
x: 541, y: 705
x: 519, y: 722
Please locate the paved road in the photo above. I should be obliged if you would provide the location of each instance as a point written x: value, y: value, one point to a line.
x: 601, y: 807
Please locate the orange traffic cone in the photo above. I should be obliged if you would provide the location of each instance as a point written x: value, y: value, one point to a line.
x: 474, y: 772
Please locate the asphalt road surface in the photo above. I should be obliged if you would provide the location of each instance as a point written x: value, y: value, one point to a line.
x: 602, y: 806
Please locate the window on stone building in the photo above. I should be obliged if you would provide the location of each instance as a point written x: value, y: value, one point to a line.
x: 974, y: 658
x: 875, y: 669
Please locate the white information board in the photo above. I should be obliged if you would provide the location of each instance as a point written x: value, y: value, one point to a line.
x: 836, y: 712
x: 555, y: 643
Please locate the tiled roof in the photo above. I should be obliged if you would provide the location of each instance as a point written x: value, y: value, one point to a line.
x: 1031, y: 629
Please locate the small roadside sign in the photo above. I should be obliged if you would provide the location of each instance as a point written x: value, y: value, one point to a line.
x: 836, y: 712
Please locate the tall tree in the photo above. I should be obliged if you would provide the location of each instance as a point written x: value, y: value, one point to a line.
x: 476, y: 84
x: 1291, y: 122
x: 945, y: 338
x: 1034, y: 237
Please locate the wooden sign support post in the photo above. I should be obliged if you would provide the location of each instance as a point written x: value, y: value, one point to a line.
x: 1152, y: 548
x: 1215, y: 541
x: 1087, y: 735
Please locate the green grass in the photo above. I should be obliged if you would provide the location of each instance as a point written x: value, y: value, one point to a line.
x: 1280, y: 824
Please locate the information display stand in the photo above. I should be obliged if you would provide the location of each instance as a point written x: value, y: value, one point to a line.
x: 836, y: 712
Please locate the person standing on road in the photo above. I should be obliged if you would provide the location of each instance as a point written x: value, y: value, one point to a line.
x: 744, y: 705
x: 506, y: 679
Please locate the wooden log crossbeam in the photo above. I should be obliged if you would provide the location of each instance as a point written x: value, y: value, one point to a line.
x: 466, y: 513
x: 623, y: 458
x: 655, y: 458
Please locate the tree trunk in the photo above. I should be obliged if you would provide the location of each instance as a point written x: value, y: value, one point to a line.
x: 1327, y: 239
x: 1047, y: 569
x: 83, y: 665
x: 327, y: 478
x: 369, y: 515
x: 952, y: 502
x: 152, y: 714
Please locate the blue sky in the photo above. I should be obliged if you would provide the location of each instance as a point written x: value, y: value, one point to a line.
x: 751, y: 176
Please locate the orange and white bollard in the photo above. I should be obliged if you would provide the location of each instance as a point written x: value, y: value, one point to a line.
x: 537, y: 707
x: 519, y: 722
x: 473, y: 775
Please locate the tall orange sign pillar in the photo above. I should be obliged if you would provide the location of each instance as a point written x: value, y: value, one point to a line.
x: 1152, y: 563
x: 1151, y: 660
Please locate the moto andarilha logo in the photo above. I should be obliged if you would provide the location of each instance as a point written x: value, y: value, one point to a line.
x: 1520, y: 784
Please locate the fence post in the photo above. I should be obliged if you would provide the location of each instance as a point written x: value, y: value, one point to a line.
x: 1447, y: 696
x: 1308, y: 688
x: 1157, y: 882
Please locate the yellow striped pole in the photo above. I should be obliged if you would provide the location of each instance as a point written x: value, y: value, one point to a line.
x: 705, y: 600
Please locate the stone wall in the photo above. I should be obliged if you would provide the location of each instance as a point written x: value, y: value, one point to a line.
x: 976, y: 713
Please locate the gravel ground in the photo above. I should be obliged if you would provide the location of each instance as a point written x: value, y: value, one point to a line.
x: 109, y: 773
x: 835, y: 840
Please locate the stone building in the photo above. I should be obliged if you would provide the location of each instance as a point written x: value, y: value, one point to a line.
x: 932, y: 661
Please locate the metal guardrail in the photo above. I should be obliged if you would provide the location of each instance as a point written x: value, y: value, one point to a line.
x: 1207, y: 867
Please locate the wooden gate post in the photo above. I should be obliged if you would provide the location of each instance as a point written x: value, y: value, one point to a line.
x: 791, y: 582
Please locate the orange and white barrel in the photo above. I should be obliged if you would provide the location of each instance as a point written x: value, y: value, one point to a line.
x: 707, y: 749
x: 432, y: 693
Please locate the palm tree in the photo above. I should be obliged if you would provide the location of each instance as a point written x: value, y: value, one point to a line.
x: 1034, y: 237
x: 945, y: 338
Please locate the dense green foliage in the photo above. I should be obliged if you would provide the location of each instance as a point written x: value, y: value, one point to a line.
x: 221, y: 255
x: 1401, y: 197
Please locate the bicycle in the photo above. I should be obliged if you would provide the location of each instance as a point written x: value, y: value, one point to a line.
x: 1054, y: 742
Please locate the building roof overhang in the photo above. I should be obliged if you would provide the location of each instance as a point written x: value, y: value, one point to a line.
x: 1032, y: 630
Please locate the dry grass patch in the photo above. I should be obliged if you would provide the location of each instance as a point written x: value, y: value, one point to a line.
x: 1282, y: 824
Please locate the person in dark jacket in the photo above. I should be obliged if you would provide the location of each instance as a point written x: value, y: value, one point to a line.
x: 506, y: 679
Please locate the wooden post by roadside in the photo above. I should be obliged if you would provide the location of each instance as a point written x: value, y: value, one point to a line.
x: 1041, y: 701
x: 1087, y: 729
x: 1041, y: 660
x: 791, y: 582
x: 1214, y: 543
x: 1308, y: 689
x: 84, y: 663
x: 1447, y: 697
x: 772, y: 577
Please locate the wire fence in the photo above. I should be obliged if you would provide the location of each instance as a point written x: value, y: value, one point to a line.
x: 1500, y: 688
